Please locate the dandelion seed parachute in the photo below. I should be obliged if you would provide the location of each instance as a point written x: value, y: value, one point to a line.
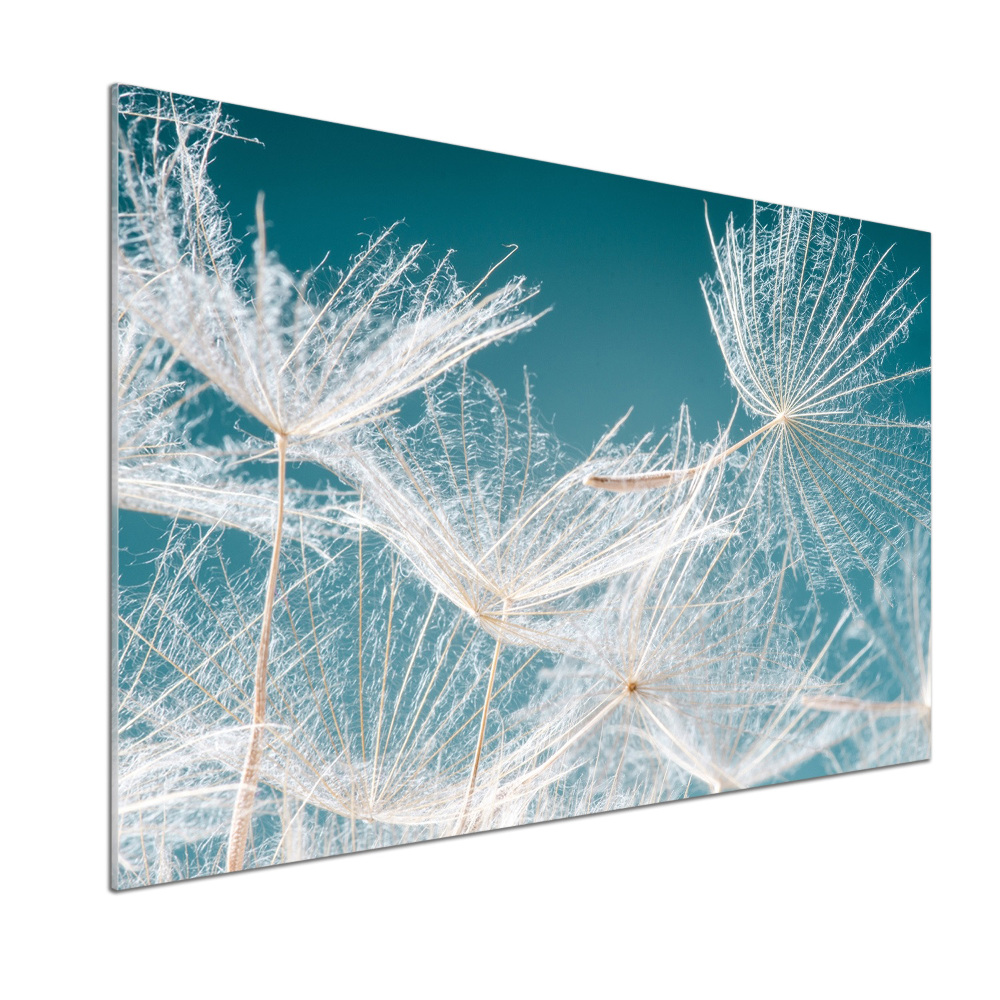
x: 807, y: 323
x: 691, y: 681
x: 485, y: 505
x: 374, y: 695
x: 306, y: 362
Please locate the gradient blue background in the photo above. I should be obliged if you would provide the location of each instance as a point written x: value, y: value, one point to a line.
x: 618, y: 259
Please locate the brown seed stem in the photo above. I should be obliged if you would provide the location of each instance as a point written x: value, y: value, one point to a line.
x: 460, y: 825
x: 668, y: 477
x: 243, y: 807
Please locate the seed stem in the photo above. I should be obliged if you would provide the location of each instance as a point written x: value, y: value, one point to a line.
x: 243, y: 807
x: 668, y: 477
x: 460, y: 825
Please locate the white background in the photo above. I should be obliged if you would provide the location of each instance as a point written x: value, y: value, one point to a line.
x: 876, y: 884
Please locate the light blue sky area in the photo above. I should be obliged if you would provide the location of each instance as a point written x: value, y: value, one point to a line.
x: 618, y: 259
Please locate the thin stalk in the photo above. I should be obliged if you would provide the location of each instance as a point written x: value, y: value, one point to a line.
x: 460, y: 825
x: 668, y: 477
x: 243, y: 807
x: 844, y: 703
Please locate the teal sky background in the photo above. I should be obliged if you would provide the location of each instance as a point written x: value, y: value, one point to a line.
x: 618, y: 259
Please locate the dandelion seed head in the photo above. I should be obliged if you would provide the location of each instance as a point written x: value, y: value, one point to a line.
x: 485, y: 506
x: 304, y: 364
x: 807, y: 323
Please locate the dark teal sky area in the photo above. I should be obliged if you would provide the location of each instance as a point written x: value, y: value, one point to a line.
x: 618, y: 259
